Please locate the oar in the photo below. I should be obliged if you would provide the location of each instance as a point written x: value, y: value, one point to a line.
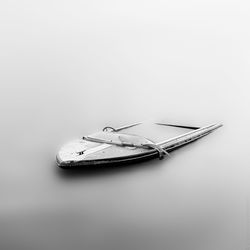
x: 121, y: 128
x: 177, y: 126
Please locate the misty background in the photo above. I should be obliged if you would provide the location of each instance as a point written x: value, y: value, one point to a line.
x: 69, y: 68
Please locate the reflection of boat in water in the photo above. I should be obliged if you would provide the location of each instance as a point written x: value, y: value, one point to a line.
x: 110, y: 146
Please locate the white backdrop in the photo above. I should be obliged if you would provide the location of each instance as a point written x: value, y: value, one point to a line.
x: 69, y: 68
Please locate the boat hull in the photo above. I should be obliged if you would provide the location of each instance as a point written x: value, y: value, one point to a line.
x: 101, y: 154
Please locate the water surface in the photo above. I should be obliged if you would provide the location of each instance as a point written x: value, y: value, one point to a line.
x: 69, y: 69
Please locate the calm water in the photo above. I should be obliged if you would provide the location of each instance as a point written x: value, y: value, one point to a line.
x: 70, y: 68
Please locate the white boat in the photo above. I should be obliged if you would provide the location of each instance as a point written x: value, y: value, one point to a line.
x: 111, y: 146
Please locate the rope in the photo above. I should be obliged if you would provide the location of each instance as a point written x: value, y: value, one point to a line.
x: 160, y: 150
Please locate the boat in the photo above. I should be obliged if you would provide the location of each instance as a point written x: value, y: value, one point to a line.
x: 114, y: 146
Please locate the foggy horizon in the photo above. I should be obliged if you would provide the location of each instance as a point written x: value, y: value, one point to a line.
x: 70, y: 68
